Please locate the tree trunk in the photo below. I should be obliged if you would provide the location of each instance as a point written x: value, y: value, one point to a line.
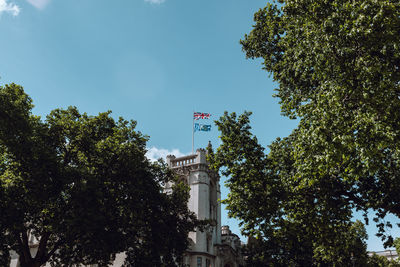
x: 25, y: 257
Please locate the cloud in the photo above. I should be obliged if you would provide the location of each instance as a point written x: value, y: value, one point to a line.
x: 39, y: 4
x: 9, y: 7
x: 155, y: 1
x: 154, y: 153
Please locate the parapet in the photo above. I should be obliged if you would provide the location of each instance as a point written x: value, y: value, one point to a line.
x: 199, y: 158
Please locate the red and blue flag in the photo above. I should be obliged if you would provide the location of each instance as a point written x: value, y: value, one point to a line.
x: 201, y: 115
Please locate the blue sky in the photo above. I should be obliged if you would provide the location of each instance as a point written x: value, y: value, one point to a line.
x: 153, y: 61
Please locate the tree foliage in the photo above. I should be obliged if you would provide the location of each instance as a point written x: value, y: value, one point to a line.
x: 337, y: 65
x: 82, y: 186
x: 396, y: 244
x: 291, y: 225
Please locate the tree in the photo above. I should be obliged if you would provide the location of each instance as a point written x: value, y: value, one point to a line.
x: 291, y: 224
x: 261, y: 252
x: 82, y: 186
x: 337, y: 65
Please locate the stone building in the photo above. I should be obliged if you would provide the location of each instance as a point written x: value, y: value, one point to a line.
x: 389, y: 254
x: 217, y: 246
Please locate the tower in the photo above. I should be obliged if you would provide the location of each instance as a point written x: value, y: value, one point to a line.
x: 207, y: 249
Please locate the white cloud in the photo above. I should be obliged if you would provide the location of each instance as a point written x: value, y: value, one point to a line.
x: 9, y: 7
x: 154, y: 153
x: 155, y: 1
x: 40, y: 4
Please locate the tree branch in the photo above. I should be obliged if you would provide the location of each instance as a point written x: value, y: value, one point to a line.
x: 56, y: 246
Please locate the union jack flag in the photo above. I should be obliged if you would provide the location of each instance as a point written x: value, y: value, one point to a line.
x: 201, y: 115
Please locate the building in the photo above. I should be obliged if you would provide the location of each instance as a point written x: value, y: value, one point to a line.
x: 217, y: 246
x: 389, y: 254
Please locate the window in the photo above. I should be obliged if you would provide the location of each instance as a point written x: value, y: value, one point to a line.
x: 199, y: 262
x: 208, y: 263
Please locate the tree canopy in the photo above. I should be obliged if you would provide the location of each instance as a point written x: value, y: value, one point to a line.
x: 337, y: 66
x: 82, y: 186
x: 290, y: 225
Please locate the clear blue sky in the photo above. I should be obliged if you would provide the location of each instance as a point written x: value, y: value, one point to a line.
x: 151, y: 61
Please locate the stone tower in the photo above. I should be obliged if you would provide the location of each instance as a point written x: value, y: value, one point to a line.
x: 207, y: 249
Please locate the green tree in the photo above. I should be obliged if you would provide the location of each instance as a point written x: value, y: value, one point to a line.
x: 337, y: 65
x: 292, y: 225
x: 262, y: 252
x: 82, y: 186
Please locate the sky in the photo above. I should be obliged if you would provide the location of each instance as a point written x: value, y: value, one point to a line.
x: 152, y: 61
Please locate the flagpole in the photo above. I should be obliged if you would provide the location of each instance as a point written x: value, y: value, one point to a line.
x: 193, y: 134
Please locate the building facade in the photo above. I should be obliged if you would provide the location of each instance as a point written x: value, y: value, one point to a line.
x: 389, y: 254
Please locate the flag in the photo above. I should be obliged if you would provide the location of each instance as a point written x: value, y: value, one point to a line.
x: 202, y: 127
x: 201, y: 115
